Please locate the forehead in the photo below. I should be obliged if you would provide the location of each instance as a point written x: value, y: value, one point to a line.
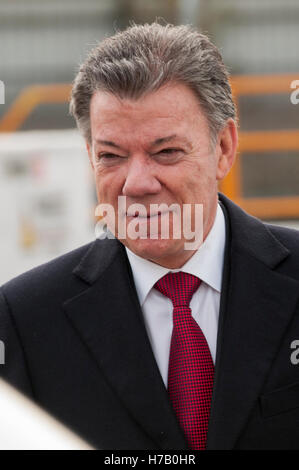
x: 172, y: 108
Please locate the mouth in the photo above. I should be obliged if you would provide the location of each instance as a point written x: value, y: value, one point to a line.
x: 136, y: 215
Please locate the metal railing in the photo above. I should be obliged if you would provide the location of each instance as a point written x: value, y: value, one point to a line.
x: 262, y: 141
x: 253, y: 141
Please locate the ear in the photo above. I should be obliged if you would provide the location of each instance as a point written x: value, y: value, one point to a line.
x: 89, y: 151
x: 226, y: 149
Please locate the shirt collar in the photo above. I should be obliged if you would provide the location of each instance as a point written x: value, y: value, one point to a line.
x: 206, y: 263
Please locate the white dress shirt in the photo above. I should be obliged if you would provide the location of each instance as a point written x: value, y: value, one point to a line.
x: 207, y: 264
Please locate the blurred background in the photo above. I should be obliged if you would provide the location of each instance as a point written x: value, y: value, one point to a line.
x: 47, y: 195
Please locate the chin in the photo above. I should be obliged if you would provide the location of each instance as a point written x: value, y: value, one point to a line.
x: 154, y: 250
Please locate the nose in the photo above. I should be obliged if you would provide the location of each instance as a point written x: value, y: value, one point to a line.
x: 140, y: 178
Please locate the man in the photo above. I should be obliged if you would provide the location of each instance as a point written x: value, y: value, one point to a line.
x: 143, y: 342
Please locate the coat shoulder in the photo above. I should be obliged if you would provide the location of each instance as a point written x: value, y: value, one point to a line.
x: 289, y: 238
x: 49, y: 278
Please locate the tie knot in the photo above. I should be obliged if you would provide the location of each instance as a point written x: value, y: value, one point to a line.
x: 178, y: 287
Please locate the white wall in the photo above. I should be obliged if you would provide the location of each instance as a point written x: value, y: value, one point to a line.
x: 47, y: 198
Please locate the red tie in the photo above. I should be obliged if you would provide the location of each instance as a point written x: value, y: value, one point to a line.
x: 191, y: 368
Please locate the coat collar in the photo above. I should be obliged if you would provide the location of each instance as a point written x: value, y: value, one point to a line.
x: 250, y: 236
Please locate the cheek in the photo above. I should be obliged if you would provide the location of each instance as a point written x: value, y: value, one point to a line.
x: 199, y: 184
x: 108, y: 186
x: 188, y: 180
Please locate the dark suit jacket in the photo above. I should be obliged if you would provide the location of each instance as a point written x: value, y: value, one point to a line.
x: 76, y: 343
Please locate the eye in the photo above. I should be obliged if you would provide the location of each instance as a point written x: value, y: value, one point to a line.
x: 169, y: 155
x: 107, y: 156
x: 169, y: 151
x: 108, y: 159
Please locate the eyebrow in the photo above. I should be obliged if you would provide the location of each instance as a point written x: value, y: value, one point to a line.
x: 163, y: 140
x: 109, y: 143
x: 156, y: 142
x: 169, y: 138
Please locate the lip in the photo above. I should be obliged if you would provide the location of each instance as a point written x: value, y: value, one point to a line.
x: 147, y: 217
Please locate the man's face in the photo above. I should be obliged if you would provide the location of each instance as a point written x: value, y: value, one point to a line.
x: 155, y: 150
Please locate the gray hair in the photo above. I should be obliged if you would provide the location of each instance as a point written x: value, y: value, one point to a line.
x: 142, y: 59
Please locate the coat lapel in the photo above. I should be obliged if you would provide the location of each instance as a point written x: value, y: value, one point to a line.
x: 257, y: 304
x: 108, y: 318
